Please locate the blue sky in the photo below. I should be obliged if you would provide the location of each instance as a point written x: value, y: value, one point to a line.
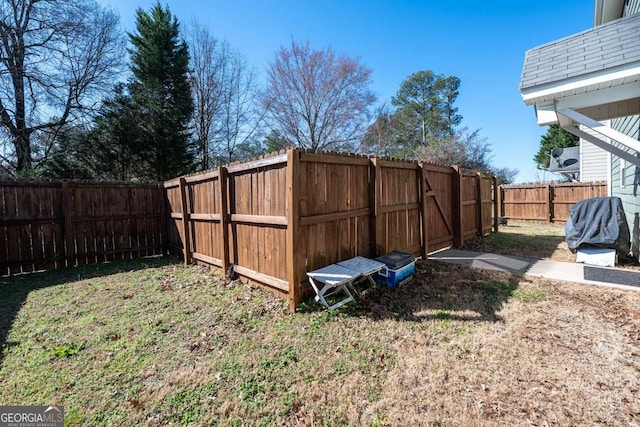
x: 481, y: 42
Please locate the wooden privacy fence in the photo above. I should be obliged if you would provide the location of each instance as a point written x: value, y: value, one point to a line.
x: 273, y: 219
x: 48, y: 225
x: 546, y: 202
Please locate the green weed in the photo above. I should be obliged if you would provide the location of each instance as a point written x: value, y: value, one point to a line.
x: 529, y: 295
x: 67, y: 349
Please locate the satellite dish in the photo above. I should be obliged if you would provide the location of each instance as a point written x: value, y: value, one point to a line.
x: 556, y: 152
x: 565, y: 160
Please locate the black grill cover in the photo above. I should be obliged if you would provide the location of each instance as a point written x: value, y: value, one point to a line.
x: 598, y: 223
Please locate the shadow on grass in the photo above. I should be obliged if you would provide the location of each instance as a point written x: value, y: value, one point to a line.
x: 509, y: 241
x: 436, y: 291
x: 14, y: 290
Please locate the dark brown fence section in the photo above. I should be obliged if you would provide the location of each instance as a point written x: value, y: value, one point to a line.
x: 56, y: 224
x: 546, y: 202
x: 273, y: 219
x: 32, y: 227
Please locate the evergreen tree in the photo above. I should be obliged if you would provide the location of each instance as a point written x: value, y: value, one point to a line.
x: 555, y: 137
x: 118, y: 148
x: 161, y: 92
x: 425, y: 113
x: 72, y: 155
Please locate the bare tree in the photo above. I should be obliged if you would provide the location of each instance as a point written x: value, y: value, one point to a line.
x: 239, y: 118
x: 317, y: 99
x: 466, y: 149
x: 380, y: 137
x: 56, y: 56
x: 224, y: 91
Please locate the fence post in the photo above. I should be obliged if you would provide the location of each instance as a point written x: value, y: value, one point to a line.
x: 549, y: 203
x: 423, y: 210
x: 224, y: 220
x: 457, y: 207
x: 496, y: 200
x: 479, y: 224
x: 294, y: 276
x: 186, y: 251
x: 67, y: 212
x: 164, y: 229
x: 374, y: 202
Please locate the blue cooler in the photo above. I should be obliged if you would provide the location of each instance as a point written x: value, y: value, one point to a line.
x: 400, y: 268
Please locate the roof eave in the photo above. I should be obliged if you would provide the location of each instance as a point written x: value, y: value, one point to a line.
x: 592, y: 82
x: 607, y: 10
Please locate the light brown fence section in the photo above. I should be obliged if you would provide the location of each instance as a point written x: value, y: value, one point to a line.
x: 398, y: 207
x: 545, y: 202
x: 469, y: 202
x: 487, y: 217
x: 175, y: 226
x: 258, y: 221
x: 273, y: 219
x: 335, y: 208
x: 439, y: 183
x: 50, y: 225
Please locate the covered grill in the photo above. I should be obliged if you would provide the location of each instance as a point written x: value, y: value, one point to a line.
x: 599, y: 222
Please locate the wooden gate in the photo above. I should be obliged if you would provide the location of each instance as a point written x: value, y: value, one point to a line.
x: 439, y: 216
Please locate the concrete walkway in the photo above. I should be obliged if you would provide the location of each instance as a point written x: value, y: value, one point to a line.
x: 566, y: 271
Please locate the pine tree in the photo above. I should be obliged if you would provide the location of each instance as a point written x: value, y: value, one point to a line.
x: 160, y: 89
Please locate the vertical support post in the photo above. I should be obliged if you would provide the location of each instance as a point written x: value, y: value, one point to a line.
x: 223, y: 180
x: 186, y: 246
x: 294, y: 254
x: 423, y: 210
x: 458, y: 208
x: 549, y: 203
x: 68, y: 212
x: 164, y: 218
x: 479, y: 200
x: 374, y: 179
x: 496, y: 201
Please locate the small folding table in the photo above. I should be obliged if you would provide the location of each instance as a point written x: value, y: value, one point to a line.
x: 334, y: 278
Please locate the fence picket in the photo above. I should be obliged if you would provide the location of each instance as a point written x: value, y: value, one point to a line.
x: 546, y: 202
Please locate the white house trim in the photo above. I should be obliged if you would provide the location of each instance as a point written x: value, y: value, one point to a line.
x: 603, y: 134
x: 609, y: 78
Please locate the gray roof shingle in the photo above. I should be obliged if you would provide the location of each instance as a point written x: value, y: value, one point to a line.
x: 612, y: 44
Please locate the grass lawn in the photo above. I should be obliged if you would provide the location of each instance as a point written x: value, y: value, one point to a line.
x: 151, y: 342
x: 526, y: 239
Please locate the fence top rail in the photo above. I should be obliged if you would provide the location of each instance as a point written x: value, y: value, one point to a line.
x: 555, y: 184
x: 278, y: 158
x: 205, y: 176
x: 30, y: 184
x: 334, y: 158
x: 172, y: 184
x: 433, y: 167
x: 79, y: 184
x: 394, y: 164
x: 259, y: 163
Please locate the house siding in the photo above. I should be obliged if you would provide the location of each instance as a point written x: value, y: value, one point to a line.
x: 631, y: 7
x: 594, y: 161
x: 625, y: 179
